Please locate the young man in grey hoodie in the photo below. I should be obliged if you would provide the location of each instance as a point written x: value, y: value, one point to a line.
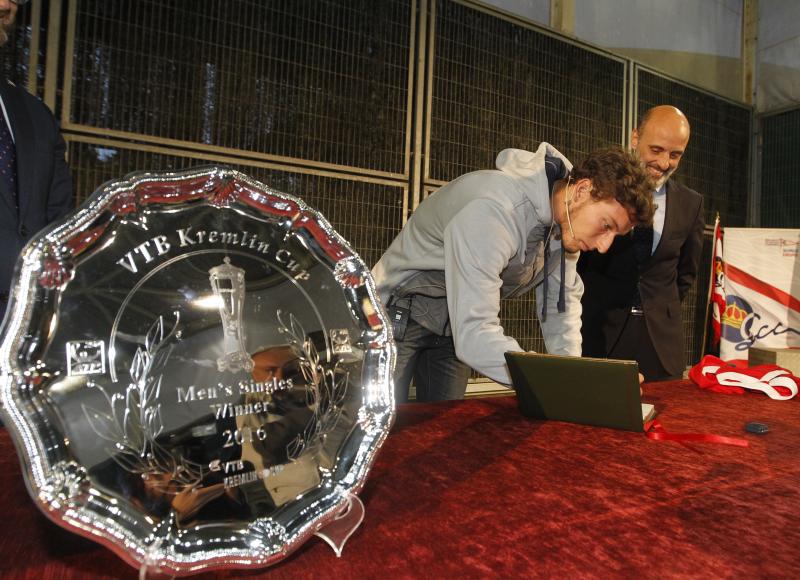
x: 492, y: 234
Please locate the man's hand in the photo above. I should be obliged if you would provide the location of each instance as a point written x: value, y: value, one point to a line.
x: 641, y: 380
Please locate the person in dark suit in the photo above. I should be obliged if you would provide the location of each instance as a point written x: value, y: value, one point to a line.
x: 633, y: 293
x: 35, y: 185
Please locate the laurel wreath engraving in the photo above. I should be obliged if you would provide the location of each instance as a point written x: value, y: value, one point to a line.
x: 325, y: 388
x: 133, y: 421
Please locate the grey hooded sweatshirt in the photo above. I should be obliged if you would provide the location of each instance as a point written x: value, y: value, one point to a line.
x: 486, y: 232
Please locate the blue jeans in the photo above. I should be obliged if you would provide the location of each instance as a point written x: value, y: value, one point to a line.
x: 431, y: 361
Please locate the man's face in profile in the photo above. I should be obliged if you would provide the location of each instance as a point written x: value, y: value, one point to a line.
x: 594, y: 222
x: 8, y: 13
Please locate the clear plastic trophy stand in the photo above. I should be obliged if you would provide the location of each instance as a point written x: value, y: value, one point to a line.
x: 339, y: 530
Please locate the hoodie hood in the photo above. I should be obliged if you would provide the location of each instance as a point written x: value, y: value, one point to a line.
x: 528, y: 171
x: 526, y: 164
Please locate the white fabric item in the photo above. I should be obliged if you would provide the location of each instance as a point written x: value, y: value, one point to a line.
x: 766, y: 384
x: 761, y: 278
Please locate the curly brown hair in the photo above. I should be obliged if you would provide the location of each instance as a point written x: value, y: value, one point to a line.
x: 617, y: 173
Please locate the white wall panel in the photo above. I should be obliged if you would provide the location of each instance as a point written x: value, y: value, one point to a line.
x: 778, y: 65
x: 710, y: 27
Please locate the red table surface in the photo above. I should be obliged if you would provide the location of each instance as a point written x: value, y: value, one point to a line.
x: 473, y: 489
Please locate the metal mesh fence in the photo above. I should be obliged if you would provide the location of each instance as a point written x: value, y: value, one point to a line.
x: 318, y: 80
x: 780, y: 181
x: 368, y: 215
x: 498, y: 84
x: 717, y: 159
x: 715, y: 164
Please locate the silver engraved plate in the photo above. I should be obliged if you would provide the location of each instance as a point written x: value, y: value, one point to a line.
x: 196, y: 371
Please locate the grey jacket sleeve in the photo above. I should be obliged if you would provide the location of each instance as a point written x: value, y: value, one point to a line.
x: 478, y: 243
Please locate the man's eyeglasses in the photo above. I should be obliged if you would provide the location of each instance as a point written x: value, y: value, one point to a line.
x: 19, y: 2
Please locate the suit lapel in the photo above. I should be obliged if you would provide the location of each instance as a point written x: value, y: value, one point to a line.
x: 8, y: 198
x: 5, y: 193
x: 22, y: 127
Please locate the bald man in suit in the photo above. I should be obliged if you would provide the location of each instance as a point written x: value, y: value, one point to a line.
x: 633, y: 293
x: 35, y: 185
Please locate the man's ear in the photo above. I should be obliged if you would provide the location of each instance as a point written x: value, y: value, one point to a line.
x: 582, y: 190
x: 634, y: 139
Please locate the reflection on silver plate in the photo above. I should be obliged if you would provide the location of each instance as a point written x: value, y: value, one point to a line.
x: 196, y: 371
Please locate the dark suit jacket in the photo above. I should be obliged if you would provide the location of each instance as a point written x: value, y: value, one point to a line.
x: 43, y: 181
x: 610, y: 282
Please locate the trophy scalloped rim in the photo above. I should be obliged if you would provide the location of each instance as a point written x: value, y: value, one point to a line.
x: 62, y: 488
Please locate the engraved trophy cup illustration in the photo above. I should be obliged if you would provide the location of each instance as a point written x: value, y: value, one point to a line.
x: 227, y: 283
x: 206, y: 381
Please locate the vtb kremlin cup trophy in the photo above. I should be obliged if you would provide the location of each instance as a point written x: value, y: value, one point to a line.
x: 196, y: 371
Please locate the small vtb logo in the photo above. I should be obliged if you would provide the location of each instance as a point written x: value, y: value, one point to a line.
x: 86, y: 357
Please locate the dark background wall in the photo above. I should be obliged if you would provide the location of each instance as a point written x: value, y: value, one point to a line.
x: 780, y: 170
x: 360, y: 107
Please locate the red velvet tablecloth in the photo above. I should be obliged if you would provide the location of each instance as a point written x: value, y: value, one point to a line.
x: 472, y: 489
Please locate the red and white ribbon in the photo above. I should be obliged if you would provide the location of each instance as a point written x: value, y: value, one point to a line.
x: 766, y: 383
